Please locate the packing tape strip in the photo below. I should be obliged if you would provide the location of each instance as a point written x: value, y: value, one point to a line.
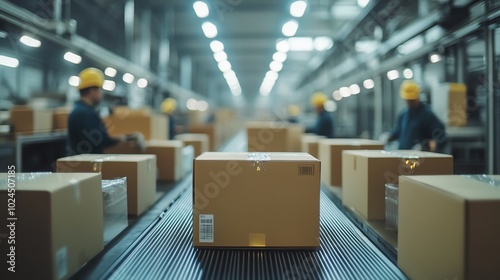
x: 410, y: 162
x: 258, y: 160
x: 97, y: 163
x: 484, y: 178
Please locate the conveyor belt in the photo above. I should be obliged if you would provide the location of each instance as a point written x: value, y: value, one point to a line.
x: 166, y: 252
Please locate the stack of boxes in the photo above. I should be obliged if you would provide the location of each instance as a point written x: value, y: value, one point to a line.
x: 28, y: 120
x: 274, y: 137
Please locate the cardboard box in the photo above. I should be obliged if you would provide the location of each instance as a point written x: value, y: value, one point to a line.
x: 365, y: 174
x: 27, y: 120
x: 212, y: 131
x: 59, y: 224
x: 140, y: 171
x: 330, y: 154
x: 310, y: 144
x: 244, y: 200
x: 200, y: 142
x: 273, y: 137
x: 127, y: 121
x: 169, y: 158
x: 60, y: 118
x: 449, y: 102
x: 114, y: 198
x: 449, y: 228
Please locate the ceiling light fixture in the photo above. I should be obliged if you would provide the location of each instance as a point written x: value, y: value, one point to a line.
x: 279, y: 56
x: 209, y: 29
x: 216, y: 46
x: 30, y: 41
x: 276, y: 66
x: 72, y: 57
x: 109, y: 85
x: 110, y: 72
x: 290, y: 28
x: 298, y: 8
x: 368, y: 84
x: 201, y: 9
x: 9, y: 61
x: 224, y: 66
x: 128, y: 78
x: 220, y: 56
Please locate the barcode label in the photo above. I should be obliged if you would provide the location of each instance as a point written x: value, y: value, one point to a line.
x: 306, y: 169
x: 206, y: 228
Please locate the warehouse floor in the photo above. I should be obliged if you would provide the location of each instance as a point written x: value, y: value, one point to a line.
x: 158, y: 245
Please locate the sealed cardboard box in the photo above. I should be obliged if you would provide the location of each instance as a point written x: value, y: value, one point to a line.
x: 449, y: 227
x: 140, y: 171
x: 60, y: 118
x: 310, y: 144
x: 365, y: 174
x: 273, y: 137
x: 244, y: 200
x: 212, y: 131
x: 200, y: 142
x: 449, y: 101
x: 169, y: 158
x: 330, y: 154
x: 58, y: 224
x: 127, y: 121
x: 114, y: 198
x: 25, y: 119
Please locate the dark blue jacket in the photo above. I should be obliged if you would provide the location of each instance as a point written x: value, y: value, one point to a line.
x: 86, y: 131
x: 419, y: 127
x: 324, y: 125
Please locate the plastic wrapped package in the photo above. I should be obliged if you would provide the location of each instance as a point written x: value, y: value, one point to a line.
x: 114, y: 197
x: 187, y: 157
x: 391, y: 205
x: 485, y: 179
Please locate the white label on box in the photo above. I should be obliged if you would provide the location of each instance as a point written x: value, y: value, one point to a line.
x: 206, y: 228
x: 62, y: 262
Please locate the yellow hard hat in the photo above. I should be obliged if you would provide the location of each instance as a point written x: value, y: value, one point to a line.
x: 409, y: 90
x: 318, y: 99
x: 168, y: 105
x: 293, y: 110
x: 91, y: 77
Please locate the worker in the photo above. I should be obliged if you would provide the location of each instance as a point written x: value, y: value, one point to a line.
x: 86, y: 131
x: 324, y: 122
x: 293, y: 113
x: 168, y: 107
x: 417, y: 126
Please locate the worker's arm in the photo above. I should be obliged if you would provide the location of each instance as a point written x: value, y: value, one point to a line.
x: 396, y: 130
x: 94, y: 130
x: 437, y: 133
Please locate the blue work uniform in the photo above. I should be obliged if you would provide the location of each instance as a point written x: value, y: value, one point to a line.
x: 324, y: 125
x: 418, y: 127
x: 86, y: 131
x: 171, y: 127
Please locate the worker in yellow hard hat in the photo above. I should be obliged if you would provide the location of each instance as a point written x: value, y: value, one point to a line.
x: 324, y: 122
x: 293, y: 113
x: 417, y: 127
x: 86, y: 131
x: 168, y: 108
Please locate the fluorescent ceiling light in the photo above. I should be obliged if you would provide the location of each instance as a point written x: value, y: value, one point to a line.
x: 233, y: 82
x: 279, y: 56
x: 202, y: 106
x: 72, y: 57
x: 224, y: 66
x: 345, y: 92
x: 363, y: 3
x: 366, y: 46
x: 264, y: 91
x: 282, y: 46
x: 336, y: 95
x: 128, y: 78
x: 354, y: 89
x: 276, y: 66
x: 411, y: 45
x: 209, y: 29
x: 192, y: 104
x: 408, y: 73
x: 290, y: 28
x: 201, y: 9
x: 368, y: 84
x: 9, y: 61
x: 30, y: 41
x: 229, y: 75
x: 330, y: 106
x: 74, y: 81
x: 322, y: 43
x: 344, y: 11
x: 301, y: 44
x: 110, y: 72
x: 109, y: 85
x: 392, y: 75
x: 272, y: 75
x: 216, y: 46
x: 142, y: 83
x: 220, y: 56
x: 236, y: 92
x: 298, y: 8
x: 434, y: 58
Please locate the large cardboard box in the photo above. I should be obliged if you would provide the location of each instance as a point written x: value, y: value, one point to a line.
x: 140, y: 171
x: 200, y: 142
x: 365, y: 174
x: 60, y: 118
x: 330, y: 154
x: 449, y: 227
x: 27, y: 120
x: 58, y: 224
x: 169, y: 158
x: 273, y: 137
x: 212, y: 131
x: 127, y: 121
x: 449, y: 102
x: 244, y: 200
x: 310, y: 144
